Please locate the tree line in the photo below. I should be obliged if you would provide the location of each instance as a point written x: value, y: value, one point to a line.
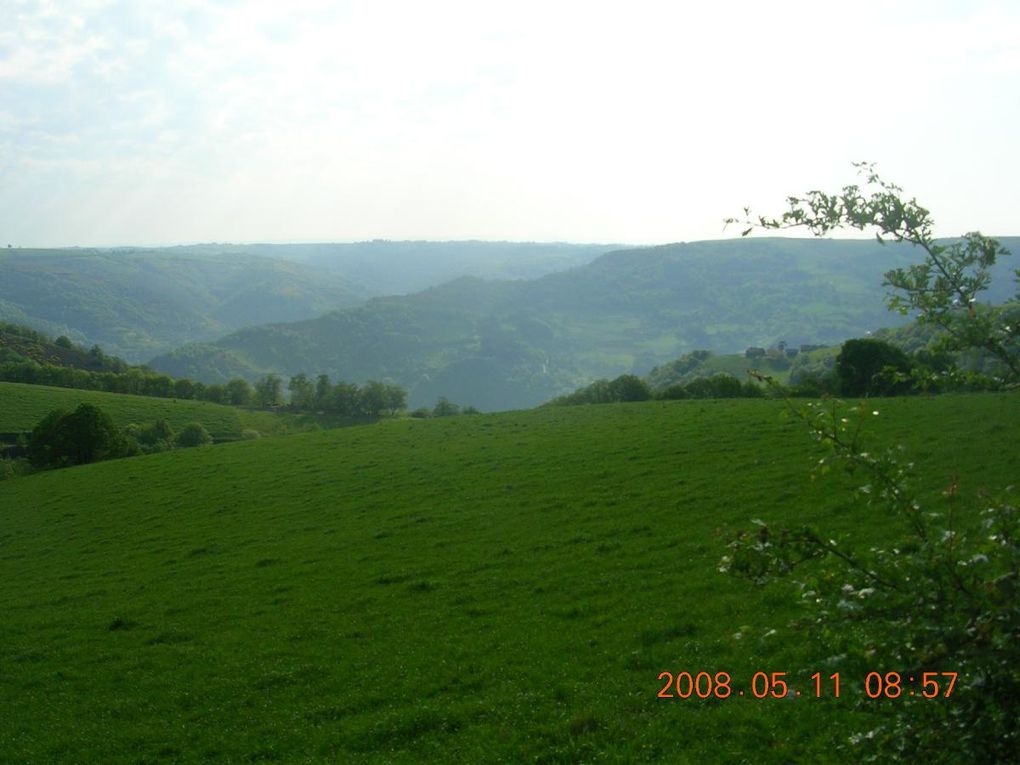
x: 306, y: 395
x: 864, y: 367
x: 135, y: 381
x: 343, y: 398
x: 632, y: 388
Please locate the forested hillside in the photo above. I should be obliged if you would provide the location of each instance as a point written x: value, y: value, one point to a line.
x: 137, y: 303
x: 510, y: 344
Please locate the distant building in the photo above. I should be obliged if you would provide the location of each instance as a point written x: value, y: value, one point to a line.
x: 808, y: 347
x: 754, y: 352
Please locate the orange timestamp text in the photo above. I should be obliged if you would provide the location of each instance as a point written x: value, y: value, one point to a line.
x: 774, y: 685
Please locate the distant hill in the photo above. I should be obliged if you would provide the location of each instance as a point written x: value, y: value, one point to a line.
x: 384, y: 267
x: 514, y: 344
x: 138, y: 303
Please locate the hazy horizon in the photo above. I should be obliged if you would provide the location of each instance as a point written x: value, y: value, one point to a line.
x: 171, y: 123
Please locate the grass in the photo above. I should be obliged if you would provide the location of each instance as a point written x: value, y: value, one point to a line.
x: 23, y: 406
x: 478, y: 589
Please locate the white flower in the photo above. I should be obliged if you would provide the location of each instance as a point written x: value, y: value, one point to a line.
x: 866, y: 592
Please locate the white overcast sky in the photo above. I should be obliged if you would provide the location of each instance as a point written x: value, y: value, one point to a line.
x: 637, y: 122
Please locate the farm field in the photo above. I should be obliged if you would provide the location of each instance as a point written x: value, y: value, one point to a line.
x: 23, y: 406
x: 494, y: 588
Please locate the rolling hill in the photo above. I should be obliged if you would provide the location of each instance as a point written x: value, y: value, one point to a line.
x: 497, y: 588
x: 137, y: 303
x: 140, y: 302
x: 514, y: 344
x: 385, y: 267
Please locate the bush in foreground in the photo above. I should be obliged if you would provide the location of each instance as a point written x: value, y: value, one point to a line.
x: 85, y: 435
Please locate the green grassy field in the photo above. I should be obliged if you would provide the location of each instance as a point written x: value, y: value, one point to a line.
x: 499, y: 588
x: 23, y: 406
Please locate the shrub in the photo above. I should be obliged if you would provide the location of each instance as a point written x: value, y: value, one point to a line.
x: 193, y: 434
x: 938, y: 598
x: 85, y: 435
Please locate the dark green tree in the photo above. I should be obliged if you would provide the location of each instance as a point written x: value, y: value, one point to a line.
x: 629, y: 388
x: 85, y: 435
x: 44, y: 443
x: 869, y: 367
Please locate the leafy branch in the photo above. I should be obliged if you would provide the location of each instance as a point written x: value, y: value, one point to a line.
x: 942, y: 593
x: 943, y: 289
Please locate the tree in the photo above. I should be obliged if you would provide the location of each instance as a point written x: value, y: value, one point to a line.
x: 85, y: 435
x: 184, y: 388
x: 345, y: 399
x: 193, y: 434
x: 395, y: 398
x: 629, y: 388
x: 445, y: 408
x: 940, y: 596
x: 215, y: 394
x: 44, y: 448
x: 269, y: 391
x: 323, y: 390
x: 238, y: 392
x: 869, y: 367
x: 372, y: 398
x: 302, y: 392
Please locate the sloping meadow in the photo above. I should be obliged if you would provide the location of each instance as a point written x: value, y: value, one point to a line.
x: 501, y: 587
x: 23, y: 406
